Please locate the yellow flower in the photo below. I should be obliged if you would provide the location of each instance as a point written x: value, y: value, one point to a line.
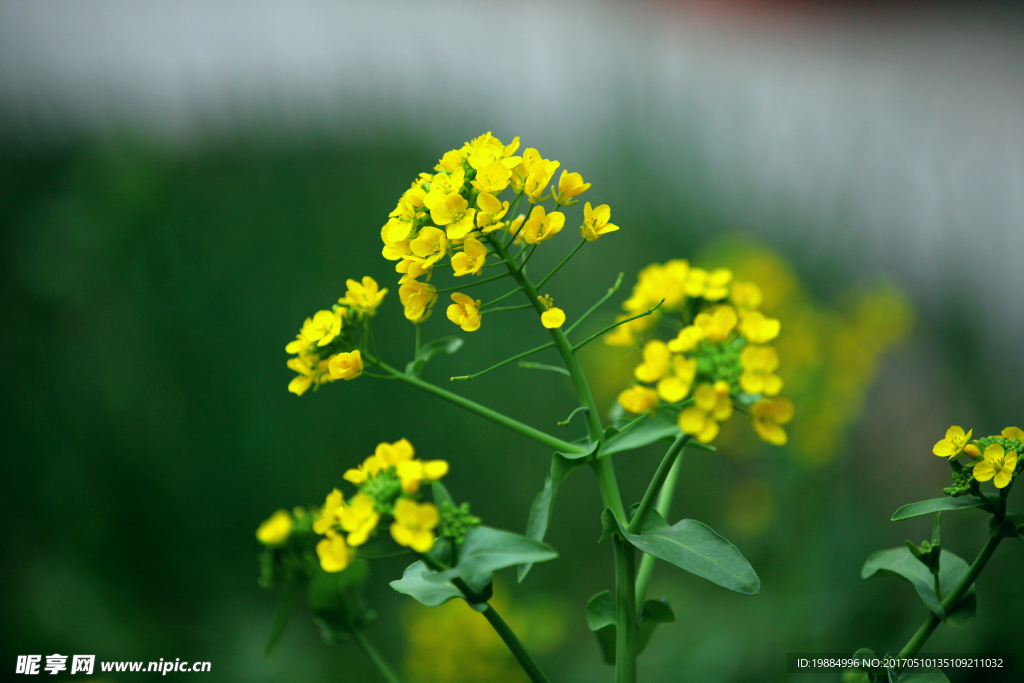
x: 311, y: 371
x: 364, y: 297
x: 759, y: 366
x: 687, y: 339
x: 1013, y: 433
x: 443, y: 186
x: 759, y: 329
x: 953, y: 444
x: 768, y: 415
x: 674, y: 387
x: 553, y: 318
x: 717, y: 324
x: 595, y: 222
x: 359, y: 518
x: 412, y: 267
x: 696, y: 282
x: 569, y: 186
x: 746, y: 295
x: 412, y: 472
x: 638, y: 399
x: 370, y: 467
x: 717, y: 285
x: 328, y: 513
x: 431, y: 245
x: 532, y: 175
x: 465, y: 312
x: 333, y: 553
x: 493, y: 178
x: 275, y: 530
x: 487, y: 149
x: 972, y: 450
x: 711, y: 405
x: 454, y: 212
x: 540, y: 227
x: 323, y: 327
x: 346, y: 365
x: 998, y: 464
x: 656, y: 362
x: 450, y: 161
x: 488, y: 218
x: 414, y: 524
x: 471, y: 259
x: 395, y: 249
x: 417, y: 298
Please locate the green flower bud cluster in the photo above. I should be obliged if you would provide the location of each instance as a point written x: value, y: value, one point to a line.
x: 457, y: 521
x: 384, y: 489
x: 720, y: 362
x: 927, y: 553
x: 963, y: 480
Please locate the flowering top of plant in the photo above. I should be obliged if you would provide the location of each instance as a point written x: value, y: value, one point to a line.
x: 992, y: 458
x: 442, y: 219
x: 720, y: 357
x: 326, y: 347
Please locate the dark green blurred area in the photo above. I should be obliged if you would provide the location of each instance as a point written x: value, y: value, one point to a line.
x: 147, y: 299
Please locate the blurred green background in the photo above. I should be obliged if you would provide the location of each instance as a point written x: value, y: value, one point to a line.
x: 148, y: 295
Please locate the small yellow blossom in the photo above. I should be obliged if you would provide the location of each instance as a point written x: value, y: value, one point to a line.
x: 370, y: 467
x: 552, y: 318
x: 717, y: 286
x: 638, y: 399
x: 492, y: 178
x: 311, y: 371
x: 392, y: 454
x: 953, y: 444
x: 455, y: 213
x: 328, y: 513
x: 443, y: 186
x: 346, y: 365
x: 711, y: 406
x: 394, y: 250
x: 417, y: 298
x: 746, y: 295
x: 569, y: 186
x: 759, y: 329
x: 687, y: 339
x: 487, y: 149
x: 540, y: 227
x: 359, y: 518
x: 471, y: 259
x: 655, y: 363
x: 431, y: 245
x: 465, y: 312
x: 412, y: 472
x: 972, y: 450
x: 275, y: 530
x: 364, y: 296
x: 674, y: 387
x: 696, y: 282
x: 323, y: 327
x: 717, y: 324
x: 759, y: 366
x: 450, y: 161
x: 768, y: 416
x: 414, y: 524
x: 533, y: 174
x: 334, y: 554
x: 595, y: 222
x: 1013, y: 433
x: 412, y: 267
x: 488, y: 218
x: 996, y: 464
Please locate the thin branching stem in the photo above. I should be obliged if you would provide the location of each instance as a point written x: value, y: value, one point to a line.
x: 614, y: 325
x: 472, y: 283
x: 514, y: 358
x: 600, y: 302
x: 559, y: 266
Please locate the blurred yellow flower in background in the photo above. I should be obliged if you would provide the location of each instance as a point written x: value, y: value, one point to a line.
x: 275, y: 530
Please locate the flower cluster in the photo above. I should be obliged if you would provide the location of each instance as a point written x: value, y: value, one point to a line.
x: 446, y: 219
x: 993, y: 457
x: 721, y: 354
x: 388, y: 483
x: 325, y: 348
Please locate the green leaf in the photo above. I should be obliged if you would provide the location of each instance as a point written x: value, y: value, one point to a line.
x: 893, y: 678
x: 900, y: 562
x: 544, y: 504
x: 438, y: 347
x: 590, y: 449
x: 927, y: 507
x: 642, y: 431
x: 441, y: 495
x: 424, y: 586
x: 601, y: 620
x: 1018, y: 519
x: 929, y: 676
x: 286, y: 603
x: 695, y: 547
x: 488, y: 550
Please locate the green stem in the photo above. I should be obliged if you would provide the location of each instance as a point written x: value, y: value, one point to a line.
x: 506, y: 308
x: 673, y: 453
x: 516, y: 357
x: 483, y: 411
x: 616, y: 324
x: 502, y: 297
x: 559, y: 266
x: 932, y: 622
x: 514, y: 646
x: 668, y: 489
x: 472, y: 283
x: 625, y: 611
x: 384, y: 670
x: 600, y: 302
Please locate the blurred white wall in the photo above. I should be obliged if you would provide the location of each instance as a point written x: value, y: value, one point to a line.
x: 898, y: 141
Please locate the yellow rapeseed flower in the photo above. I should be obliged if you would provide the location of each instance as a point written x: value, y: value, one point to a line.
x: 717, y: 324
x: 334, y: 554
x: 450, y: 161
x: 488, y: 218
x: 768, y: 415
x: 465, y: 312
x: 711, y: 406
x: 553, y: 318
x: 471, y: 259
x: 674, y: 387
x: 346, y: 365
x: 431, y: 245
x: 746, y: 295
x: 414, y: 524
x: 443, y: 186
x: 493, y: 178
x: 328, y: 513
x: 533, y: 174
x: 655, y: 363
x: 412, y: 472
x: 638, y: 399
x: 370, y: 467
x: 687, y: 339
x: 364, y: 296
x: 595, y: 222
x: 759, y: 329
x: 1013, y: 433
x: 759, y: 366
x: 417, y: 298
x: 359, y: 518
x: 541, y: 226
x: 311, y: 371
x: 569, y: 186
x: 996, y: 464
x: 276, y: 529
x: 323, y: 327
x: 717, y: 286
x: 953, y: 444
x: 411, y: 267
x: 393, y: 454
x: 455, y: 213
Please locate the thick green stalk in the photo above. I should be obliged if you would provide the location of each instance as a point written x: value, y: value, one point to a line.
x: 668, y: 489
x: 516, y: 647
x: 932, y: 622
x: 483, y: 411
x: 384, y: 670
x: 625, y: 611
